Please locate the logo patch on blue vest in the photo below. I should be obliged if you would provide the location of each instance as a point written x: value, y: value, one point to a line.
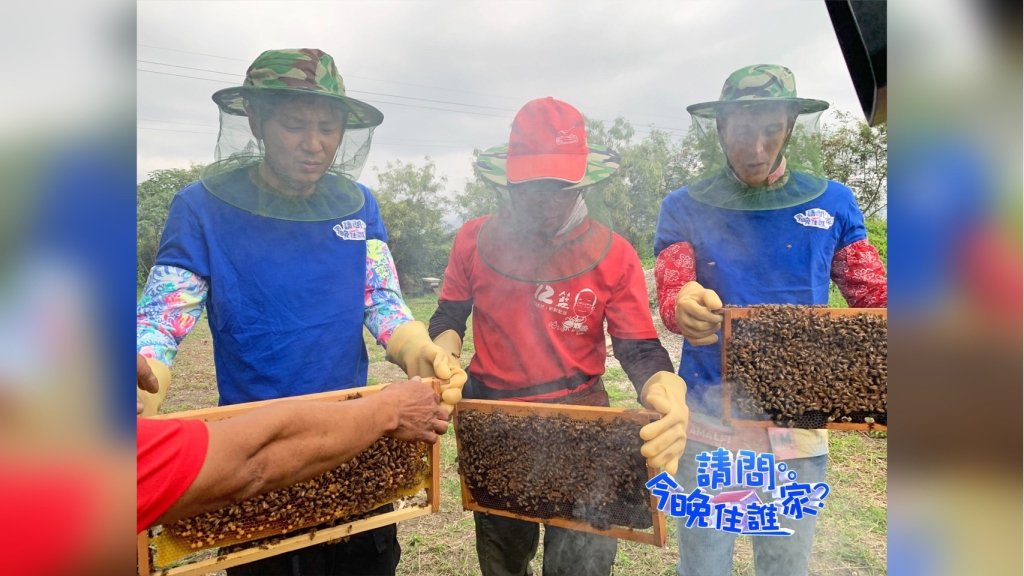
x: 351, y: 230
x: 816, y: 217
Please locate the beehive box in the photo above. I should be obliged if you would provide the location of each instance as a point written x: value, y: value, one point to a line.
x: 805, y: 367
x: 575, y: 467
x: 325, y: 508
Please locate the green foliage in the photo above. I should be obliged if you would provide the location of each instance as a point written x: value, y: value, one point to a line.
x: 153, y: 199
x: 422, y: 307
x: 857, y: 155
x: 878, y: 237
x: 631, y: 198
x: 803, y: 151
x: 692, y: 159
x: 878, y: 234
x: 651, y: 167
x: 412, y: 205
x: 477, y: 198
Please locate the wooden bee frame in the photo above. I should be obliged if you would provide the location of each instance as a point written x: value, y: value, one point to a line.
x: 656, y: 534
x: 732, y: 314
x: 303, y: 538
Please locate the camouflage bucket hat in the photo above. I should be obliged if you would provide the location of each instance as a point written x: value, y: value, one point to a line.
x: 755, y: 84
x: 300, y: 71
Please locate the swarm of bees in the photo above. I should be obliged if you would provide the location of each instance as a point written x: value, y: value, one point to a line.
x: 804, y: 369
x: 376, y: 476
x: 545, y: 467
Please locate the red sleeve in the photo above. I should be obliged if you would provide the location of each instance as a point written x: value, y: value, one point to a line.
x: 456, y: 285
x: 169, y: 455
x: 629, y: 311
x: 674, y: 267
x: 858, y: 272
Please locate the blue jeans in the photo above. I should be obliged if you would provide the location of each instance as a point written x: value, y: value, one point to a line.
x: 709, y: 552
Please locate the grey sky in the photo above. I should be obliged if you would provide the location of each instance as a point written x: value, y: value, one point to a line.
x: 419, y: 61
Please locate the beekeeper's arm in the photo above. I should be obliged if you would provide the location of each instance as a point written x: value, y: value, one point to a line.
x: 167, y: 310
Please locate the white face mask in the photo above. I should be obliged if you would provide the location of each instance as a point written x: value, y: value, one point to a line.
x: 579, y: 212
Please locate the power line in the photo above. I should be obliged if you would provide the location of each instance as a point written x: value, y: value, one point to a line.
x: 643, y: 130
x: 372, y: 101
x: 349, y: 91
x: 502, y: 96
x: 418, y: 145
x: 383, y: 142
x: 190, y: 68
x: 435, y: 108
x: 663, y: 128
x: 185, y: 76
x: 174, y: 130
x: 191, y: 52
x: 638, y: 129
x: 203, y: 124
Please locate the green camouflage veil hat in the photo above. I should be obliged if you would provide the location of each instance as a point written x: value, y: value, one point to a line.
x: 759, y: 83
x: 301, y: 71
x: 547, y: 150
x: 289, y: 77
x: 760, y: 87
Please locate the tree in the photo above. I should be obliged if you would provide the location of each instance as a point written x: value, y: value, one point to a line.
x: 690, y: 158
x: 631, y: 198
x: 650, y: 168
x: 857, y: 155
x: 411, y: 202
x: 477, y: 197
x: 153, y: 199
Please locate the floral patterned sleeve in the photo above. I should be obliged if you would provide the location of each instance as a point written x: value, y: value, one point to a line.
x: 168, y: 309
x: 385, y: 308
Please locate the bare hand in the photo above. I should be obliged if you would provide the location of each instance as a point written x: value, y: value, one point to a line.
x: 145, y: 380
x: 420, y: 414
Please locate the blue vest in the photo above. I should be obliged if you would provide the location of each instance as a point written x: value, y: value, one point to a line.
x: 286, y: 299
x: 749, y: 257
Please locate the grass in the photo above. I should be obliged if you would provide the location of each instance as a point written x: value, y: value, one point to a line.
x: 863, y: 507
x: 422, y: 308
x: 850, y: 538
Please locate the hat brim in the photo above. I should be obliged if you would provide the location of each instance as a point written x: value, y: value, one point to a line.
x: 492, y: 166
x: 564, y: 167
x: 360, y: 114
x: 713, y: 108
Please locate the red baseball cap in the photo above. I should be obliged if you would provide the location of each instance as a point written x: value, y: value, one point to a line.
x: 548, y: 140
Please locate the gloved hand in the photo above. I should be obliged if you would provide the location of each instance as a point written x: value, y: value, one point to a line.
x: 695, y: 316
x: 451, y: 393
x: 665, y: 439
x: 153, y: 379
x: 411, y: 349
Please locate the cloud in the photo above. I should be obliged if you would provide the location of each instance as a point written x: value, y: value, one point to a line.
x: 449, y: 76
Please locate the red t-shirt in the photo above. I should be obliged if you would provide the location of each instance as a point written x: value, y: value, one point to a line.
x: 529, y: 333
x: 169, y: 455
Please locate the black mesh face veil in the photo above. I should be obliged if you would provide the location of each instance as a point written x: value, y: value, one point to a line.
x: 235, y: 176
x: 520, y: 255
x: 803, y: 177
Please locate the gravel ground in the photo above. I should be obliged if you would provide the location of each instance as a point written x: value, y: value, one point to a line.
x: 670, y: 340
